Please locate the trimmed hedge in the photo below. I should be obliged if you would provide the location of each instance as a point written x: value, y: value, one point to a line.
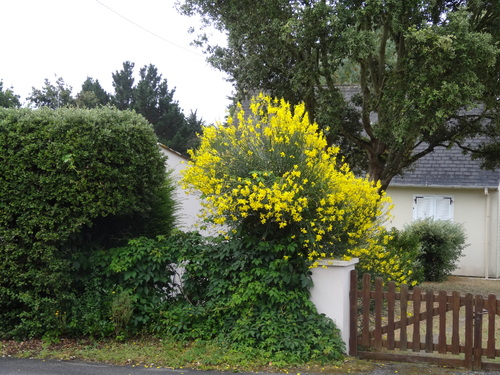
x: 71, y: 181
x: 442, y: 243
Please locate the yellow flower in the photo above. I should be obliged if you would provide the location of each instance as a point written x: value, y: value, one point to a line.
x: 297, y: 186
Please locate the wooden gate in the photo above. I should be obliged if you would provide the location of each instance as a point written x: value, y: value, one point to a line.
x: 414, y: 325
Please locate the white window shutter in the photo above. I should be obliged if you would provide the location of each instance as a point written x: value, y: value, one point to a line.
x: 436, y: 207
x: 422, y: 207
x: 443, y: 209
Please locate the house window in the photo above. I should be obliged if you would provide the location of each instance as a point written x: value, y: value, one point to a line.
x: 435, y: 206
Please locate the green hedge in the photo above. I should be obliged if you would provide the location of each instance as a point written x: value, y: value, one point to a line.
x: 239, y: 292
x: 71, y: 181
x: 442, y: 243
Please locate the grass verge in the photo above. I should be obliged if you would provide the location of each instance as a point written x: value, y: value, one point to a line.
x: 157, y: 353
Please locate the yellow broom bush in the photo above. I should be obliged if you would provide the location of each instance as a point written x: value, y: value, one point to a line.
x: 271, y: 174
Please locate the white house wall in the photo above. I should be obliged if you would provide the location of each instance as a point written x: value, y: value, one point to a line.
x: 469, y: 210
x: 189, y: 204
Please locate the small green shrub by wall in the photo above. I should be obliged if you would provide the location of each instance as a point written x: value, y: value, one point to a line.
x: 442, y: 243
x: 71, y: 181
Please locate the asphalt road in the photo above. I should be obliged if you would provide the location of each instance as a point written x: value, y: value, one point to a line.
x: 20, y: 366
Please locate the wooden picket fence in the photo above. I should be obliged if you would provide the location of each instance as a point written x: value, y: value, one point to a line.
x: 398, y: 324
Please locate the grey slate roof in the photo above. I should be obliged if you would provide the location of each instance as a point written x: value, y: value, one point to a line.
x: 448, y: 168
x: 443, y: 167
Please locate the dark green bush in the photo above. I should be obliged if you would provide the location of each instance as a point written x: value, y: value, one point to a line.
x: 250, y: 293
x: 442, y: 242
x: 144, y: 272
x: 71, y: 181
x: 88, y: 313
x: 241, y: 292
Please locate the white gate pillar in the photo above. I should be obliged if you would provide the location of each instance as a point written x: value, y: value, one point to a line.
x: 330, y: 292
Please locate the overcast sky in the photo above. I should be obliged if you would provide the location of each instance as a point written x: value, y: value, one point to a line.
x: 74, y: 39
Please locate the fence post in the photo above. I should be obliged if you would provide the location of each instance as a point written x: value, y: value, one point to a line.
x: 330, y: 292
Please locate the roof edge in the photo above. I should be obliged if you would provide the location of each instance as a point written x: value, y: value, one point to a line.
x: 172, y: 150
x: 444, y: 186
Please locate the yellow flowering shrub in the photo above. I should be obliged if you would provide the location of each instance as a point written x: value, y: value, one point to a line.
x: 270, y: 173
x: 381, y: 259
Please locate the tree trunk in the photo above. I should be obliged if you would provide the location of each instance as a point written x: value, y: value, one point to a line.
x: 377, y: 169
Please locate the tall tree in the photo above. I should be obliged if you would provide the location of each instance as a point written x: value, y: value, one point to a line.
x: 7, y: 97
x: 92, y: 94
x: 421, y: 65
x: 156, y: 103
x: 52, y: 95
x: 187, y: 137
x: 123, y: 82
x: 153, y: 99
x: 150, y: 93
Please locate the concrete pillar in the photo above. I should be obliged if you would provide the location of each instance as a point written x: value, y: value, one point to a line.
x: 330, y: 292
